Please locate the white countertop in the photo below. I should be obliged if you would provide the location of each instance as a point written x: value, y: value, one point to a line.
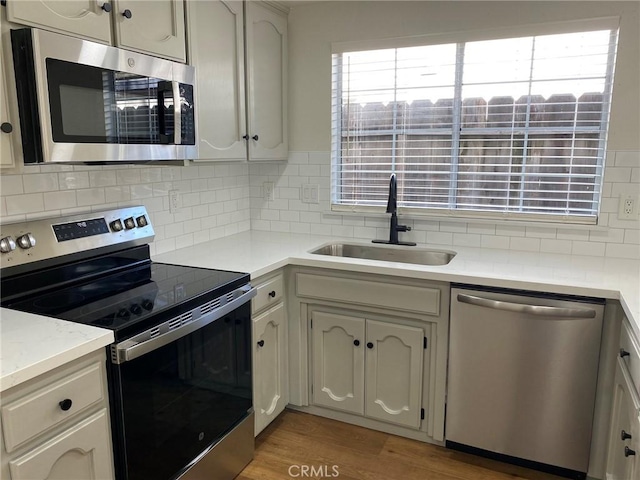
x: 31, y: 345
x: 262, y: 252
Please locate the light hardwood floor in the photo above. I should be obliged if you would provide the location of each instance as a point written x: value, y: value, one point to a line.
x: 295, y: 439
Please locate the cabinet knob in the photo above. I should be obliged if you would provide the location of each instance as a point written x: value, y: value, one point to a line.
x: 246, y: 137
x: 369, y: 345
x: 272, y: 293
x: 65, y: 404
x: 106, y: 6
x: 624, y: 353
x: 356, y: 343
x: 6, y: 127
x: 127, y: 13
x: 261, y: 343
x: 624, y: 435
x: 255, y: 137
x: 628, y: 452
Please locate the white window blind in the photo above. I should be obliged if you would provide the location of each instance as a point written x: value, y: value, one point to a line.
x: 513, y: 127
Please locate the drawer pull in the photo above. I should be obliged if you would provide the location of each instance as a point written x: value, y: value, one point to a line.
x: 624, y: 435
x: 272, y: 293
x: 628, y: 452
x: 65, y: 404
x: 624, y: 353
x: 261, y: 343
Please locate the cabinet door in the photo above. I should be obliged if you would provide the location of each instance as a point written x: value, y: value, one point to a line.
x: 621, y: 465
x: 154, y: 27
x: 338, y: 361
x: 394, y: 373
x: 80, y: 453
x: 216, y: 49
x: 6, y: 150
x: 83, y: 18
x: 266, y: 33
x: 270, y: 360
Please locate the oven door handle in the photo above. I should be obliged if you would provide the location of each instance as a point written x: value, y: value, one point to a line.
x: 144, y: 343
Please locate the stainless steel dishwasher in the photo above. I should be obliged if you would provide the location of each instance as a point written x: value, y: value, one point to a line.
x: 522, y: 377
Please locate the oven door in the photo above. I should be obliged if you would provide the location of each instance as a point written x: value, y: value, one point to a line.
x: 172, y: 404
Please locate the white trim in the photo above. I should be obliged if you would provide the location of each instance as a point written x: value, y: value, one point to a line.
x: 471, y: 216
x: 601, y: 23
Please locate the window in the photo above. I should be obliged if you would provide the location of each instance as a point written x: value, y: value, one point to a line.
x: 508, y: 128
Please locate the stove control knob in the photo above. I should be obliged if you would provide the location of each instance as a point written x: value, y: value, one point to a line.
x: 7, y: 244
x: 116, y: 225
x: 26, y: 241
x: 135, y: 309
x: 129, y: 223
x: 147, y: 304
x: 142, y: 221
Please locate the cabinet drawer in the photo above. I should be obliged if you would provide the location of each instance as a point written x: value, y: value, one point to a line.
x: 362, y: 292
x: 269, y: 293
x: 630, y: 354
x: 42, y: 409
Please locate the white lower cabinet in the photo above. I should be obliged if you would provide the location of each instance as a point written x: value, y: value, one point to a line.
x: 623, y: 459
x: 368, y: 367
x: 338, y: 361
x: 270, y: 352
x: 56, y: 426
x: 80, y: 453
x: 393, y: 373
x: 624, y: 442
x: 370, y: 350
x: 270, y: 366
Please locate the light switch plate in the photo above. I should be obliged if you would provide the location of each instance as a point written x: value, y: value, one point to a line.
x: 310, y: 193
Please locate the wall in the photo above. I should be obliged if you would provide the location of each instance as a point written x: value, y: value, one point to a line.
x: 312, y: 29
x: 214, y: 198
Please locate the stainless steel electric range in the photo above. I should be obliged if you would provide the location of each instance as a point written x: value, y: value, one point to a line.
x: 180, y: 368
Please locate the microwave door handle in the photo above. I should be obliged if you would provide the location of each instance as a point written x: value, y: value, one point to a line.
x: 162, y: 122
x: 177, y: 114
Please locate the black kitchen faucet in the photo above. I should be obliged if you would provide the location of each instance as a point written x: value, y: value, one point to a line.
x: 392, y: 208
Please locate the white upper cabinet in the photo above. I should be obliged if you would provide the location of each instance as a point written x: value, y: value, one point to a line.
x: 266, y: 35
x: 216, y: 49
x: 85, y: 18
x: 155, y: 27
x: 7, y: 127
x: 239, y: 51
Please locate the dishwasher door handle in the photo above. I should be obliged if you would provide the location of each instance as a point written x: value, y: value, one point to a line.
x: 539, y: 310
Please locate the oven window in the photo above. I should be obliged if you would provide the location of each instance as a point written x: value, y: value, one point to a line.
x: 183, y: 397
x: 96, y: 105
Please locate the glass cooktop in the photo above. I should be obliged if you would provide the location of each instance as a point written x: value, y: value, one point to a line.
x: 125, y: 302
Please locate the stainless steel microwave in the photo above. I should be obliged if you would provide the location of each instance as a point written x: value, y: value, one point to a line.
x: 84, y: 102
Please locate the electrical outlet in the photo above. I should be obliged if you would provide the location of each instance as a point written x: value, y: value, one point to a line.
x: 268, y: 190
x: 174, y: 201
x: 627, y: 209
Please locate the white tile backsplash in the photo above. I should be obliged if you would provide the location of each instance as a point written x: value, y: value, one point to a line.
x: 221, y: 199
x: 611, y: 237
x: 214, y: 198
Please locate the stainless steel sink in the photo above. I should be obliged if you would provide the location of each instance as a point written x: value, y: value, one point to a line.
x: 420, y: 256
